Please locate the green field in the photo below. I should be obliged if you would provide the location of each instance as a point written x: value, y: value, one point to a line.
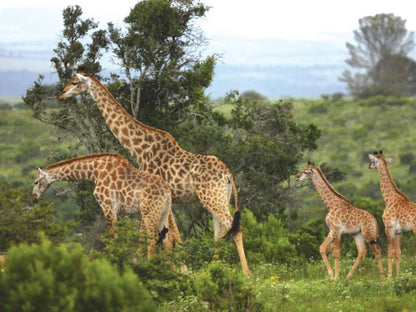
x: 350, y: 130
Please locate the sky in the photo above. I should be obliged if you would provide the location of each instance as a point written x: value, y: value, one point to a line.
x: 260, y: 33
x: 257, y: 32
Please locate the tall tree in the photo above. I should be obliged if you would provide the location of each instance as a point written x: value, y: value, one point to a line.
x: 379, y: 38
x: 158, y: 52
x: 81, y: 43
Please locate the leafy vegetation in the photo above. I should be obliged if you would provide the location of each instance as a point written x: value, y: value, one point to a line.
x: 58, y: 249
x: 282, y: 250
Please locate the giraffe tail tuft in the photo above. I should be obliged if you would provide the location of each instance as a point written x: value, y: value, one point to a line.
x: 162, y: 235
x: 235, y: 227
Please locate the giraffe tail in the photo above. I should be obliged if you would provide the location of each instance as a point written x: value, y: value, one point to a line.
x: 162, y: 235
x: 235, y: 227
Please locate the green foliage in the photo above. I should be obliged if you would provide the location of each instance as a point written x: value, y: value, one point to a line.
x: 267, y: 241
x: 267, y: 146
x: 22, y: 218
x: 62, y: 278
x: 129, y: 250
x: 224, y: 289
x: 166, y: 77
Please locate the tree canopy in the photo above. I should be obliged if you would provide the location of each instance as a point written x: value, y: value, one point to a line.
x: 382, y: 47
x: 163, y: 85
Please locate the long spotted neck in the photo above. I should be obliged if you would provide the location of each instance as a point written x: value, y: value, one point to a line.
x: 326, y: 192
x: 388, y: 188
x: 83, y: 168
x: 139, y: 139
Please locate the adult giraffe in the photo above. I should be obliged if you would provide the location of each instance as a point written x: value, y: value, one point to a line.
x: 190, y: 176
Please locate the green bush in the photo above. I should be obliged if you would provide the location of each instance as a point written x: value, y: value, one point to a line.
x: 22, y: 218
x: 225, y: 289
x: 267, y: 241
x: 163, y: 283
x: 45, y: 277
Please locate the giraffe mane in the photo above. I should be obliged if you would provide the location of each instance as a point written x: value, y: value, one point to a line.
x: 392, y: 180
x: 92, y: 156
x: 123, y: 111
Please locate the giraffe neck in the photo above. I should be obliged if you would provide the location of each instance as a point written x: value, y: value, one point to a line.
x: 326, y: 192
x: 139, y: 139
x: 388, y: 188
x: 82, y: 168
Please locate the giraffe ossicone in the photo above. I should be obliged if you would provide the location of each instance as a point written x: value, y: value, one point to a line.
x: 119, y: 187
x: 191, y: 177
x: 343, y: 218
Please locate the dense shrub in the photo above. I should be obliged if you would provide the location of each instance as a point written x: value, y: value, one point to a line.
x: 225, y: 289
x: 22, y: 218
x: 62, y: 278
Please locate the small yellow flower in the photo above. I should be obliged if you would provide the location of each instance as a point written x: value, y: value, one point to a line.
x: 273, y: 279
x: 2, y: 270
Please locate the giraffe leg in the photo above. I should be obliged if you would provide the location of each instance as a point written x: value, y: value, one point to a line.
x: 110, y: 219
x: 175, y: 237
x: 390, y: 252
x: 216, y: 202
x: 322, y: 250
x: 359, y: 241
x: 397, y: 252
x: 377, y: 253
x: 174, y: 234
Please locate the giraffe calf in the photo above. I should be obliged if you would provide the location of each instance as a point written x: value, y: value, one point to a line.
x: 120, y: 187
x: 343, y: 218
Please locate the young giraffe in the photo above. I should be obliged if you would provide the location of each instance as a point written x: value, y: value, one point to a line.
x: 190, y: 176
x: 343, y: 218
x: 399, y: 214
x: 119, y: 186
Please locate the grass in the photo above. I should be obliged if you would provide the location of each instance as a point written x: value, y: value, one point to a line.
x: 307, y: 288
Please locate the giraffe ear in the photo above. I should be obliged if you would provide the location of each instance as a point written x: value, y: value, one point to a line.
x: 389, y: 160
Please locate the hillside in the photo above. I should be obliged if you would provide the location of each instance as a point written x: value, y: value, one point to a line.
x: 351, y: 130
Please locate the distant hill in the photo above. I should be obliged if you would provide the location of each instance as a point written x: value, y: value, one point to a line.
x: 271, y: 81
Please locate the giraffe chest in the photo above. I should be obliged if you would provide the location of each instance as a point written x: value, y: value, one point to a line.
x: 398, y: 221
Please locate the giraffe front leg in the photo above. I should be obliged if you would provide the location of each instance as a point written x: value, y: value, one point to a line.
x: 322, y: 250
x: 110, y: 219
x: 398, y: 252
x: 390, y: 251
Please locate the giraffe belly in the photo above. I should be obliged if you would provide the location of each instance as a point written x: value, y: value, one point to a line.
x: 183, y: 191
x: 345, y: 229
x: 183, y: 197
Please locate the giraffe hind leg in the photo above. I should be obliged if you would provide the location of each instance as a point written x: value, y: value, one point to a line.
x: 377, y: 253
x: 359, y: 242
x: 235, y: 226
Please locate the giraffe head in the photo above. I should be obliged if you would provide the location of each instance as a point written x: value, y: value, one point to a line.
x: 307, y: 173
x: 78, y: 84
x: 376, y: 158
x: 42, y: 182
